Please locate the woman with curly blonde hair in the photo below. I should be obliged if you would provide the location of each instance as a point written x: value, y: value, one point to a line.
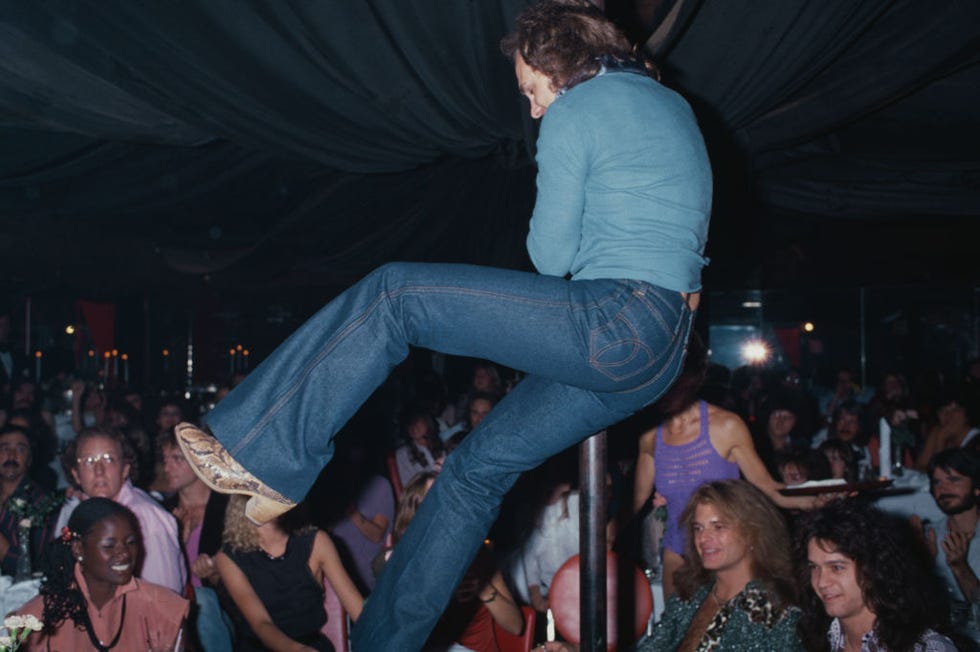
x: 276, y: 579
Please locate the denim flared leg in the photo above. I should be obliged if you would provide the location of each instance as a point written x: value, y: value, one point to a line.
x: 603, y: 336
x: 538, y: 419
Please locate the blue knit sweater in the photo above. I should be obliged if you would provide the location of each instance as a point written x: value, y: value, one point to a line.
x: 624, y: 185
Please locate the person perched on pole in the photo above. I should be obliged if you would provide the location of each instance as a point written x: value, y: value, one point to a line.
x: 617, y: 236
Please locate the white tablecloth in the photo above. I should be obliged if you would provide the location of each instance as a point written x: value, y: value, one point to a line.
x: 916, y: 501
x: 13, y: 596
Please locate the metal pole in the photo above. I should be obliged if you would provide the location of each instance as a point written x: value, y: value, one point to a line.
x: 592, y: 540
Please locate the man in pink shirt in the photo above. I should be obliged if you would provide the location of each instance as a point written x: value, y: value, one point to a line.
x: 100, y: 462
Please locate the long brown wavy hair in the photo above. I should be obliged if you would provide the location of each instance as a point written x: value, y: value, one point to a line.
x: 760, y: 524
x: 566, y: 40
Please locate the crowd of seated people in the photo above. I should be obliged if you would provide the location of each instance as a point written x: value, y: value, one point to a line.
x: 769, y: 431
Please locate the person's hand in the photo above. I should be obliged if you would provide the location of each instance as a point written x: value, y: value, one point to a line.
x: 898, y: 417
x: 539, y: 604
x: 204, y: 567
x: 929, y: 538
x: 658, y: 500
x: 557, y: 646
x: 955, y: 546
x: 77, y: 388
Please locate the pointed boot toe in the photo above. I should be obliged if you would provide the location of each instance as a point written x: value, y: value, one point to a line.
x: 215, y: 467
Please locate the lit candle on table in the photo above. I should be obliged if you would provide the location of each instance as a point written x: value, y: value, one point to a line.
x: 884, y: 449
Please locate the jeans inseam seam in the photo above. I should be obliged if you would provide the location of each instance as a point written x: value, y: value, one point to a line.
x: 301, y: 379
x: 384, y: 295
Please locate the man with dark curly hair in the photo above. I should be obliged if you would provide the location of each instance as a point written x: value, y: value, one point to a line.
x: 864, y: 584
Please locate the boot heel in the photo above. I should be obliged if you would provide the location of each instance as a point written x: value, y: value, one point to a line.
x: 260, y: 510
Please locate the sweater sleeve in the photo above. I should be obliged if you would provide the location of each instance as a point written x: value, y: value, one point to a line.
x: 556, y: 225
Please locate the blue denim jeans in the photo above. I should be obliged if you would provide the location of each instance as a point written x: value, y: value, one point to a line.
x: 214, y: 626
x: 595, y: 351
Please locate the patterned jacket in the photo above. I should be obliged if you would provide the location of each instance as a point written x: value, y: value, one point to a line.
x: 748, y: 622
x: 41, y: 533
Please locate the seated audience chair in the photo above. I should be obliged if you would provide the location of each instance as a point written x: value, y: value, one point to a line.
x: 629, y: 601
x: 508, y: 642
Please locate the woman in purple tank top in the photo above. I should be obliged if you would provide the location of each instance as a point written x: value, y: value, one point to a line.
x: 697, y: 443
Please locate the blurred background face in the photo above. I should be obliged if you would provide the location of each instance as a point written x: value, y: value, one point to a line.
x: 781, y: 423
x: 23, y: 396
x: 419, y: 431
x: 838, y: 465
x: 482, y: 380
x: 793, y: 474
x: 952, y: 415
x: 893, y: 387
x: 99, y: 468
x: 169, y: 416
x: 15, y: 456
x: 479, y: 409
x: 847, y: 426
x: 117, y: 419
x: 176, y: 469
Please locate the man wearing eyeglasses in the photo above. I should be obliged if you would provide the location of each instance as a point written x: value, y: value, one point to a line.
x: 16, y: 485
x: 99, y: 462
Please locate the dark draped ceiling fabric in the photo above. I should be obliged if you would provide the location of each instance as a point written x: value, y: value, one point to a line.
x: 180, y: 143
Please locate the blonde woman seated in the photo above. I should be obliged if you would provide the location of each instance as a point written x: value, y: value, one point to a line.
x: 735, y: 590
x: 276, y: 579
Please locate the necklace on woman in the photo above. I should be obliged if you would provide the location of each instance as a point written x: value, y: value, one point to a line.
x: 115, y: 640
x: 714, y: 595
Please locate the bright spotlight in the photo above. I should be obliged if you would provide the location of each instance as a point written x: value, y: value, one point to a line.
x: 808, y: 327
x: 755, y: 352
x: 70, y: 329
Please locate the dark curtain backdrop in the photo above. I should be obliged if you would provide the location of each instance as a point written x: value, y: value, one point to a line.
x: 305, y: 142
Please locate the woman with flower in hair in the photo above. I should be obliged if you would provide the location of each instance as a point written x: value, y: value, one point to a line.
x: 90, y: 599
